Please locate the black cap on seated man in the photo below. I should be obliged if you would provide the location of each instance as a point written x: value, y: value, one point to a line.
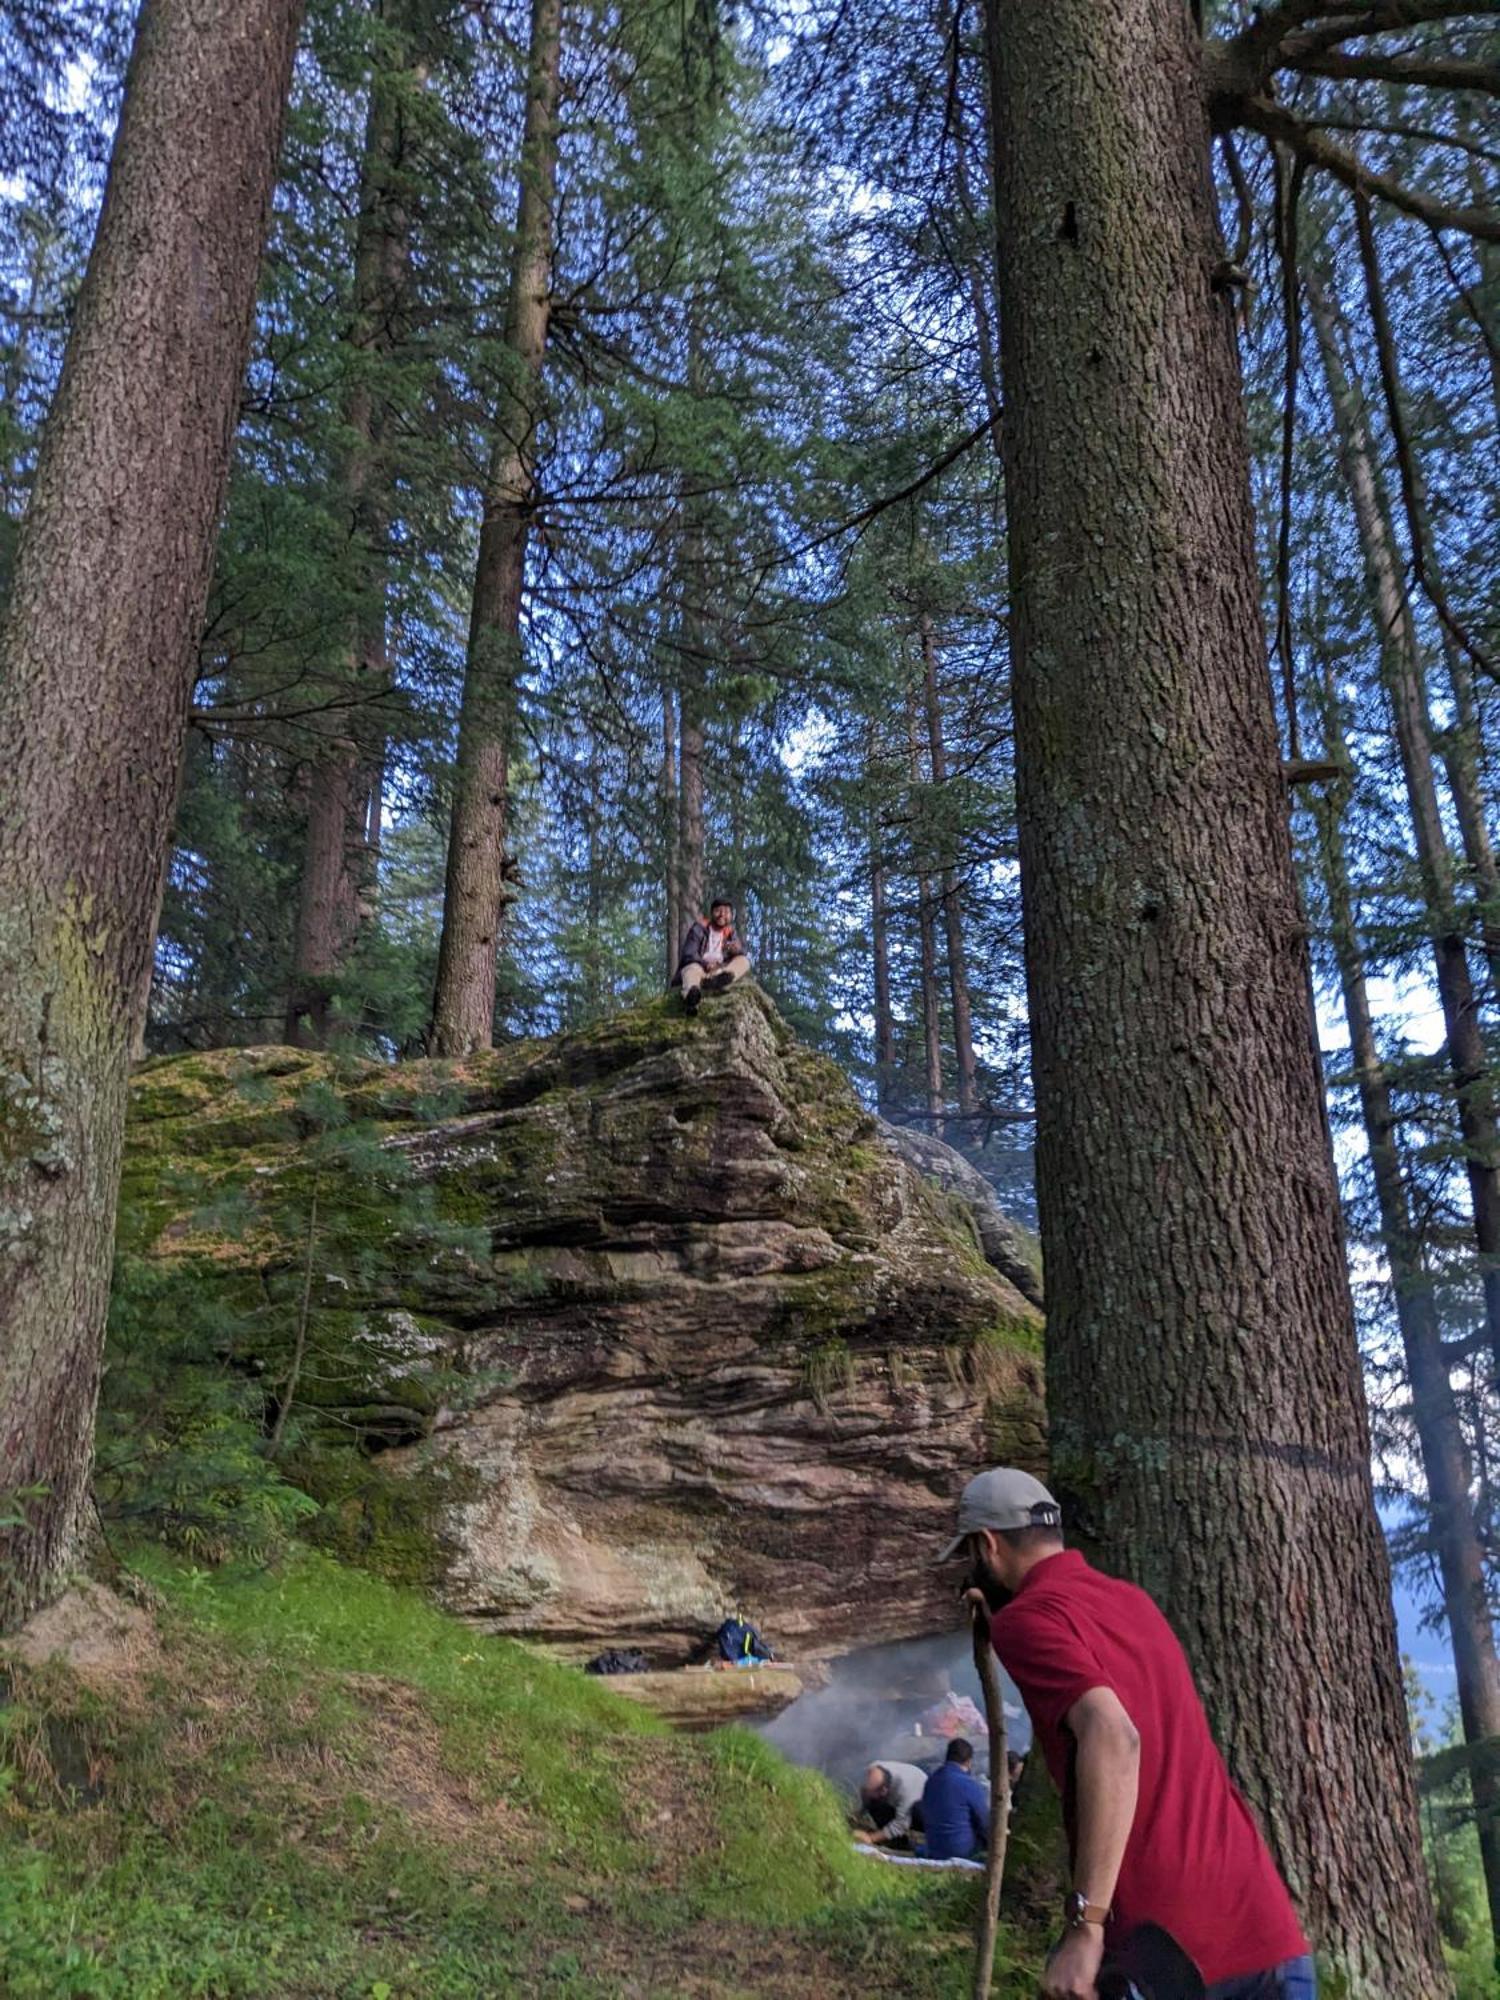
x: 1157, y: 1832
x: 713, y: 955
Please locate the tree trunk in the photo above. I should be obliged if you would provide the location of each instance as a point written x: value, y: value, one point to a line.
x: 96, y: 668
x: 667, y: 792
x: 979, y: 272
x: 153, y: 932
x: 1463, y: 759
x: 880, y: 955
x: 1207, y: 1406
x: 340, y: 845
x: 464, y: 1005
x: 958, y: 974
x: 1440, y: 1436
x: 1404, y: 676
x: 932, y: 1006
x: 690, y: 799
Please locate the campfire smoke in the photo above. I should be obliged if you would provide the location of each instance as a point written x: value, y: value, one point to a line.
x: 873, y: 1709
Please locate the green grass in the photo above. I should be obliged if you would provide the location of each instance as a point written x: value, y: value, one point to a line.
x: 326, y: 1787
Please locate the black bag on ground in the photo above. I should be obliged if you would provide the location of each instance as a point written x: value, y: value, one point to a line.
x: 619, y: 1660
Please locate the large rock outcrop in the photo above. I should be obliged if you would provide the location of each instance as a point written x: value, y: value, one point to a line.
x: 602, y: 1334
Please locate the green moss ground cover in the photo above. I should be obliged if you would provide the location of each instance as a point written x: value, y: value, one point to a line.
x: 322, y: 1786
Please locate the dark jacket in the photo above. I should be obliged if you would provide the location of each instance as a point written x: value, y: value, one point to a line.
x: 955, y: 1814
x: 695, y: 942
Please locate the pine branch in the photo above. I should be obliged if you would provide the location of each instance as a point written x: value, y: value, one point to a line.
x: 1385, y: 350
x: 1301, y: 31
x: 1440, y: 74
x: 1275, y: 122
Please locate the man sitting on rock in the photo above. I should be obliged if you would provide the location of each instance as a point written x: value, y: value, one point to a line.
x: 891, y: 1796
x: 713, y: 956
x: 955, y: 1808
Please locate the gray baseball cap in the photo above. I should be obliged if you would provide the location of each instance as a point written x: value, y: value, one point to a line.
x: 1004, y: 1497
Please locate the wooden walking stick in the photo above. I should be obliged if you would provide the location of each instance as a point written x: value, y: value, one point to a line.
x: 994, y: 1871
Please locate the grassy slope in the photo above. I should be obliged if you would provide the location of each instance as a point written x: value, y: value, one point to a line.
x: 325, y: 1787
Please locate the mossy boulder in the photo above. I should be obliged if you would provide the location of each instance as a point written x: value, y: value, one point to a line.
x: 642, y: 1321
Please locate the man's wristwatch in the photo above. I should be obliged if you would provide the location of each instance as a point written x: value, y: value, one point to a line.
x: 1079, y: 1911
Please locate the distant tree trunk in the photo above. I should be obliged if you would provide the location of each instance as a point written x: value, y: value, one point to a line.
x: 593, y: 961
x: 958, y: 974
x: 464, y: 1006
x: 1204, y: 1386
x: 96, y: 669
x: 927, y: 981
x: 1463, y: 755
x: 880, y: 955
x: 340, y: 843
x: 980, y: 269
x: 1487, y: 255
x: 690, y: 799
x: 1404, y: 674
x: 667, y: 789
x: 18, y: 361
x: 1445, y: 1460
x: 148, y: 969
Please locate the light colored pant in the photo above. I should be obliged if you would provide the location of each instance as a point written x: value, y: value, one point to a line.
x: 694, y: 976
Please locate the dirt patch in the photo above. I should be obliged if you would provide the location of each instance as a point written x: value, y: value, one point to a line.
x: 401, y: 1764
x: 89, y: 1629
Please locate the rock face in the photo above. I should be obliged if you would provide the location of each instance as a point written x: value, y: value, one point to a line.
x: 621, y: 1329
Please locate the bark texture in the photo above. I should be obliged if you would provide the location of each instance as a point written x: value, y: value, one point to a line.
x: 1208, y: 1418
x: 474, y: 900
x: 96, y: 669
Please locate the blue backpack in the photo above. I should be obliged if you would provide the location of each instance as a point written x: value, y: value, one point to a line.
x: 738, y: 1642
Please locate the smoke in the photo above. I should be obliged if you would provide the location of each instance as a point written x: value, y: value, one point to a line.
x: 871, y: 1709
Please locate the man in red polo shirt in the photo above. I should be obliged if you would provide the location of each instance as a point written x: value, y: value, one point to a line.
x: 1156, y: 1830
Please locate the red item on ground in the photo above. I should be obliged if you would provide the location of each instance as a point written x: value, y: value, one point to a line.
x: 1195, y: 1862
x: 954, y: 1716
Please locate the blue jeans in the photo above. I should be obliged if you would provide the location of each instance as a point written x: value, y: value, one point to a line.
x: 1294, y: 1979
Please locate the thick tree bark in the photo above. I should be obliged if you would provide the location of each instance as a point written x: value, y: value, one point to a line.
x: 1207, y: 1406
x: 473, y: 905
x: 1404, y: 675
x: 1440, y: 1436
x: 958, y: 971
x: 340, y: 841
x: 96, y: 669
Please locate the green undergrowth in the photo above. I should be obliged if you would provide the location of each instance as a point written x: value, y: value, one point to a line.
x: 316, y: 1784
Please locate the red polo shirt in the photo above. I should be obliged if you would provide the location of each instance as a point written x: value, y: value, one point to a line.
x: 1195, y: 1862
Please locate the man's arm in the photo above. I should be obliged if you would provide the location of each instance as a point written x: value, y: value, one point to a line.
x: 1106, y: 1779
x: 900, y: 1826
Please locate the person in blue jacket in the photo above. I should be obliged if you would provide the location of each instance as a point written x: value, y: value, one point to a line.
x: 955, y: 1808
